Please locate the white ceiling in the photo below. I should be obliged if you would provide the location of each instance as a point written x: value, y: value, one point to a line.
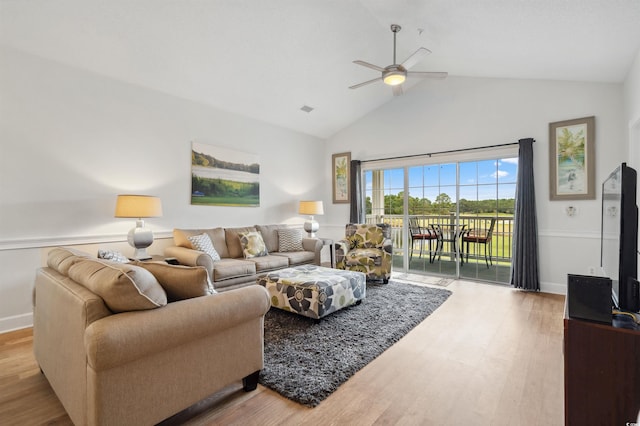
x: 267, y: 58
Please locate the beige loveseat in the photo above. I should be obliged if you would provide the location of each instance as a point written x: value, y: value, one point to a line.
x: 119, y: 348
x: 233, y: 270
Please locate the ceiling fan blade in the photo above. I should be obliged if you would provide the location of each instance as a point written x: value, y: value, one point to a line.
x: 427, y: 74
x: 368, y: 65
x: 355, y: 86
x: 397, y: 90
x: 416, y: 57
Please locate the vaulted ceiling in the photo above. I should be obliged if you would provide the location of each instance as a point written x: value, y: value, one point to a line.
x: 268, y: 58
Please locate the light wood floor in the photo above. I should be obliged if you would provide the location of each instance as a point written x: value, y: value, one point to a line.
x: 489, y: 356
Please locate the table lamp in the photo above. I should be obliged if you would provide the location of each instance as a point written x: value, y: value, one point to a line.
x: 139, y: 206
x: 311, y: 208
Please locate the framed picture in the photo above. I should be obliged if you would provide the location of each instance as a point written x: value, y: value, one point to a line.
x: 572, y: 161
x: 224, y: 177
x: 340, y: 170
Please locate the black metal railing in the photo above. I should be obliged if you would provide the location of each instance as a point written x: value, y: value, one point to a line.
x: 501, y: 239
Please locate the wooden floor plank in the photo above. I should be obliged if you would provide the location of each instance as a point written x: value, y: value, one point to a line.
x: 490, y: 355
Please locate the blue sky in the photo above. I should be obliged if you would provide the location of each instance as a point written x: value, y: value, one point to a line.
x: 479, y: 180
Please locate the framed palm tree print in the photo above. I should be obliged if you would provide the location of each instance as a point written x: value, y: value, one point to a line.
x: 572, y: 162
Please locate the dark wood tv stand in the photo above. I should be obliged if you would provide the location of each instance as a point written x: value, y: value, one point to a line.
x: 601, y: 373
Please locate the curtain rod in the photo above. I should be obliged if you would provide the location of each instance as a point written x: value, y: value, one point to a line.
x: 443, y: 152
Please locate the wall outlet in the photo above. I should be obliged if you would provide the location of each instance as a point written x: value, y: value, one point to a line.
x: 591, y: 270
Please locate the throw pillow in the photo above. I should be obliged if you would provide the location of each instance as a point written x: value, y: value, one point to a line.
x: 252, y: 244
x: 180, y: 282
x: 123, y: 286
x: 203, y: 243
x: 62, y: 258
x: 289, y: 240
x: 112, y: 255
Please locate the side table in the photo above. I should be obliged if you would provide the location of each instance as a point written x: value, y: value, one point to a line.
x: 332, y: 250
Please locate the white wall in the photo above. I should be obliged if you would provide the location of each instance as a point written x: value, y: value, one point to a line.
x: 632, y: 93
x: 632, y: 110
x: 632, y: 114
x: 70, y: 141
x: 467, y: 112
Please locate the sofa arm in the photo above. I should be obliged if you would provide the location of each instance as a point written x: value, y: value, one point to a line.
x: 387, y: 246
x: 190, y: 257
x: 122, y: 338
x: 314, y: 245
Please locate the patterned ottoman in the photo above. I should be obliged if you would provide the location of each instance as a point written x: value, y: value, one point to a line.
x: 314, y: 291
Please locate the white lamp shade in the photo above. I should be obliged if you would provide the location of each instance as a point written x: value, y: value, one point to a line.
x: 311, y: 208
x: 138, y: 206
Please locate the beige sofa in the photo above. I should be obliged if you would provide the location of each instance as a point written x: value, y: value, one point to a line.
x: 119, y: 348
x: 233, y: 270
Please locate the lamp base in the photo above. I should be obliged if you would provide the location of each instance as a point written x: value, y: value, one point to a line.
x: 311, y: 226
x: 140, y: 238
x: 141, y: 254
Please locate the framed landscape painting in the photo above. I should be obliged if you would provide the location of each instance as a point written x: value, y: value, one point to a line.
x: 224, y: 177
x: 341, y: 164
x: 572, y: 162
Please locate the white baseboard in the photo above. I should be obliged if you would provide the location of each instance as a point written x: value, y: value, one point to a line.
x: 554, y: 288
x: 16, y: 322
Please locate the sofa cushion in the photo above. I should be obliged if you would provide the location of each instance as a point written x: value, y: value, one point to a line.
x: 217, y: 235
x: 270, y: 263
x: 225, y: 269
x: 298, y: 257
x: 270, y: 235
x: 122, y: 286
x: 233, y: 240
x: 252, y: 245
x: 62, y: 258
x: 180, y: 282
x: 203, y: 243
x: 219, y: 241
x: 290, y: 240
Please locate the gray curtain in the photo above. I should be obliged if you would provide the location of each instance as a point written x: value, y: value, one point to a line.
x: 524, y: 266
x: 356, y: 214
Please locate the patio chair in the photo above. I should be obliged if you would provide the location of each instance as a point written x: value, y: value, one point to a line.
x: 480, y: 236
x: 422, y: 234
x: 366, y: 248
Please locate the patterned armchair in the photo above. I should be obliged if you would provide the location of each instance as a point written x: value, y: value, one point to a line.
x: 366, y: 248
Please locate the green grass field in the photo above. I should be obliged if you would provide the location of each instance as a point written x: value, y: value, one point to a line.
x: 249, y: 201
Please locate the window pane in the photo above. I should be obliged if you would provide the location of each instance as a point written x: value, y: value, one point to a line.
x: 416, y: 176
x: 487, y: 172
x: 448, y: 174
x: 508, y: 170
x: 469, y: 173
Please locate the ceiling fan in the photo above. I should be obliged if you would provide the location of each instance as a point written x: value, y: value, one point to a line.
x: 394, y: 75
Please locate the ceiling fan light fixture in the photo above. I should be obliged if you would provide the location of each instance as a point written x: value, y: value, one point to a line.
x: 394, y: 78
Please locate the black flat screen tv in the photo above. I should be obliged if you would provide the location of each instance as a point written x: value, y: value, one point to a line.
x: 619, y: 236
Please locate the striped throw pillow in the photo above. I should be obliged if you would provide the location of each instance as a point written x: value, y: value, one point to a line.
x: 289, y: 240
x: 203, y: 243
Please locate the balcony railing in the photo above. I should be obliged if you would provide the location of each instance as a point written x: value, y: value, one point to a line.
x: 501, y: 240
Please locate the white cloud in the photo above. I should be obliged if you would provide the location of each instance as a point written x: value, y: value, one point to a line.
x: 500, y: 174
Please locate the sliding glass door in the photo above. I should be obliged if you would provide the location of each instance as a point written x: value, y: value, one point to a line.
x: 448, y: 218
x: 487, y: 202
x: 385, y: 203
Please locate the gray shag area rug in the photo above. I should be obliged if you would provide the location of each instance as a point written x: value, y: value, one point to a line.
x: 306, y: 360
